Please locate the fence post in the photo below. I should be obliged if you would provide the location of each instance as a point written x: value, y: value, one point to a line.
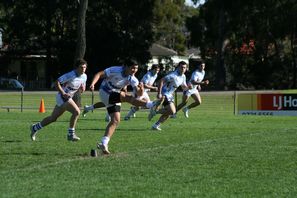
x: 22, y: 99
x: 234, y: 103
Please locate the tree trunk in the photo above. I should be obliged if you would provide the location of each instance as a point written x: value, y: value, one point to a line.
x: 50, y: 68
x: 81, y: 30
x: 81, y: 40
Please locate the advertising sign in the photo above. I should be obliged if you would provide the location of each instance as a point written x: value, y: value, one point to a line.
x: 267, y: 104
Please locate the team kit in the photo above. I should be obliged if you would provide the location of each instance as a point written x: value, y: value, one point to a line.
x: 113, y: 92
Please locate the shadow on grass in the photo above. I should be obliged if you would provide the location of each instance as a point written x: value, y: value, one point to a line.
x: 11, y: 141
x: 23, y: 154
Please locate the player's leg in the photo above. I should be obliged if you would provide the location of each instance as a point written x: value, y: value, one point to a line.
x: 114, y: 112
x: 75, y: 111
x: 136, y: 102
x: 169, y: 109
x: 184, y: 101
x: 197, y: 101
x: 88, y: 108
x: 131, y: 112
x: 57, y: 112
x: 113, y: 106
x: 145, y: 97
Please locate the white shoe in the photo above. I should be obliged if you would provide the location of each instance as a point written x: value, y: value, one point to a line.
x: 151, y: 114
x: 186, y: 112
x: 85, y: 110
x: 156, y: 128
x: 103, y: 148
x: 73, y: 137
x: 33, y: 133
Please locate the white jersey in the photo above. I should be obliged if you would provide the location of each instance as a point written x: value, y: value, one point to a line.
x: 71, y: 82
x: 149, y: 79
x: 171, y: 82
x: 116, y: 79
x: 197, y: 76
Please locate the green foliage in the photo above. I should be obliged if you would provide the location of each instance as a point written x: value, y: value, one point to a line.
x: 169, y: 31
x: 115, y: 30
x: 255, y: 40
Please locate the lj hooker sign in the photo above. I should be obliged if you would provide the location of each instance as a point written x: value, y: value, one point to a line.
x: 267, y: 104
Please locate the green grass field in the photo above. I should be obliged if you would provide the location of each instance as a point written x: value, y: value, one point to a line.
x: 212, y: 154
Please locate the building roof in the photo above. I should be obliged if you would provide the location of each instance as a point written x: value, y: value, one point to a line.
x: 159, y: 50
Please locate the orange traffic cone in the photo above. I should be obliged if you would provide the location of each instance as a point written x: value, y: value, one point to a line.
x: 41, y: 107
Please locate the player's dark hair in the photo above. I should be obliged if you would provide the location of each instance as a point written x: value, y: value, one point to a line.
x: 155, y: 66
x: 197, y: 62
x: 79, y: 62
x: 182, y: 63
x: 130, y: 63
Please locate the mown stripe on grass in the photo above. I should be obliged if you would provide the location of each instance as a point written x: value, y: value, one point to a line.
x: 121, y: 154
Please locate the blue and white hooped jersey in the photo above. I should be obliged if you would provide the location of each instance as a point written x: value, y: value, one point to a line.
x: 116, y: 80
x: 171, y: 82
x: 197, y: 76
x: 149, y: 79
x: 71, y: 82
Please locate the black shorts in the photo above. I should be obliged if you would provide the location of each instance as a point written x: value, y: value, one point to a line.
x: 113, y: 109
x: 166, y: 102
x: 114, y: 97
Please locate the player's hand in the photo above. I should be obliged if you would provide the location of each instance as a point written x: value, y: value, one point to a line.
x: 190, y: 86
x: 66, y: 96
x: 159, y: 96
x: 82, y: 88
x: 206, y: 82
x: 141, y: 86
x: 92, y: 87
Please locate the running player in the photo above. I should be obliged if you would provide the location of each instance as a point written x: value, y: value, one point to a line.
x: 111, y: 94
x: 148, y: 82
x: 66, y: 85
x: 195, y: 82
x: 167, y: 87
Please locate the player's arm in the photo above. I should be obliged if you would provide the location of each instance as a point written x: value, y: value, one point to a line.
x: 140, y: 89
x: 82, y: 88
x: 125, y: 89
x: 60, y: 89
x: 97, y: 76
x: 160, y: 88
x: 204, y: 82
x: 185, y: 86
x: 151, y: 87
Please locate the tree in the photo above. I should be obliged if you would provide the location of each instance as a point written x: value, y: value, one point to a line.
x: 251, y: 38
x: 169, y: 28
x: 114, y: 31
x: 81, y: 30
x: 81, y: 40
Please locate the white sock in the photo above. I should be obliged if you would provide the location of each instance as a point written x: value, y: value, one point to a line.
x: 131, y: 112
x: 90, y: 108
x: 105, y: 140
x: 150, y: 104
